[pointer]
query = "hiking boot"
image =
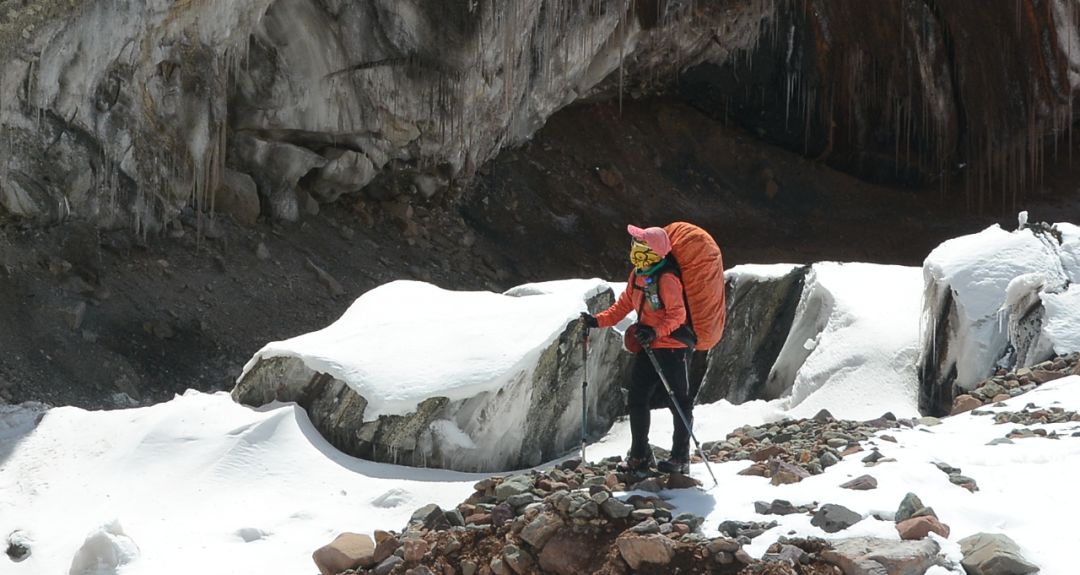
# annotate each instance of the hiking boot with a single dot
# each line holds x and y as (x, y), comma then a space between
(637, 464)
(674, 465)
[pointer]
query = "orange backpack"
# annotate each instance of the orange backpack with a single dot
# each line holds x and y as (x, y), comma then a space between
(701, 268)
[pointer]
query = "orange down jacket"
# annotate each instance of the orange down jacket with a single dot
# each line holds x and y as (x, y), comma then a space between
(664, 320)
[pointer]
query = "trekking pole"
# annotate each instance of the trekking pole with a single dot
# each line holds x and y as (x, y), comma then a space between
(678, 409)
(584, 388)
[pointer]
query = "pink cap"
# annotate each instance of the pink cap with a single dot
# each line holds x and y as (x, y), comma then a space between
(656, 238)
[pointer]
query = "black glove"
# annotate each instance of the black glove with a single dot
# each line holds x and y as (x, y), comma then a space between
(644, 334)
(589, 319)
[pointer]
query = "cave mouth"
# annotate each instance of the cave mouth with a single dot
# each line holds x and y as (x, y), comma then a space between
(557, 206)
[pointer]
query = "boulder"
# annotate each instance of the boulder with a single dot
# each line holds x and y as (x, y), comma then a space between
(540, 530)
(872, 556)
(861, 483)
(346, 551)
(832, 518)
(738, 367)
(964, 403)
(567, 553)
(238, 196)
(993, 554)
(639, 550)
(919, 527)
(532, 411)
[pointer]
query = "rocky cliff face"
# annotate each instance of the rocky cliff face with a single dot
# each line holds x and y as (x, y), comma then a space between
(916, 91)
(125, 112)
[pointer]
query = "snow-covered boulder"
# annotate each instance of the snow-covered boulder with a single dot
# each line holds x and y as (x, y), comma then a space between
(474, 381)
(996, 299)
(841, 336)
(761, 307)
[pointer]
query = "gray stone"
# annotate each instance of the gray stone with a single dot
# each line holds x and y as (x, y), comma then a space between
(832, 518)
(993, 554)
(388, 565)
(871, 556)
(861, 483)
(616, 509)
(691, 520)
(646, 527)
(541, 529)
(788, 554)
(431, 516)
(521, 499)
(517, 559)
(908, 507)
(828, 459)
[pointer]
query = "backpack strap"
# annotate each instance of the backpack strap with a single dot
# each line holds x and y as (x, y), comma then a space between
(685, 332)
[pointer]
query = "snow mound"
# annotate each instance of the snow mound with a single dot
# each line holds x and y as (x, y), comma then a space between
(104, 551)
(406, 341)
(997, 299)
(422, 376)
(853, 345)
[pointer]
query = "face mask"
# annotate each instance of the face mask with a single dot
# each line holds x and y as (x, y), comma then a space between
(642, 257)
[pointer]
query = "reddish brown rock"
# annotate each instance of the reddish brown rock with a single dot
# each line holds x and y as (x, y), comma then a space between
(851, 450)
(767, 453)
(386, 548)
(346, 551)
(567, 554)
(757, 469)
(964, 403)
(1041, 376)
(861, 483)
(784, 473)
(1001, 397)
(918, 528)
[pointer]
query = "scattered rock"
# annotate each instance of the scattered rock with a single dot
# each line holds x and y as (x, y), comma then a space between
(964, 403)
(786, 473)
(861, 483)
(872, 556)
(386, 566)
(567, 554)
(909, 506)
(540, 530)
(415, 549)
(919, 527)
(346, 551)
(332, 285)
(993, 554)
(832, 518)
(777, 507)
(638, 550)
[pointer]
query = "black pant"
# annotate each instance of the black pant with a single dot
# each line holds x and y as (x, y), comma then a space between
(644, 382)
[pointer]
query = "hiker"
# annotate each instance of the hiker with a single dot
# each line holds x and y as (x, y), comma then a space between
(657, 296)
